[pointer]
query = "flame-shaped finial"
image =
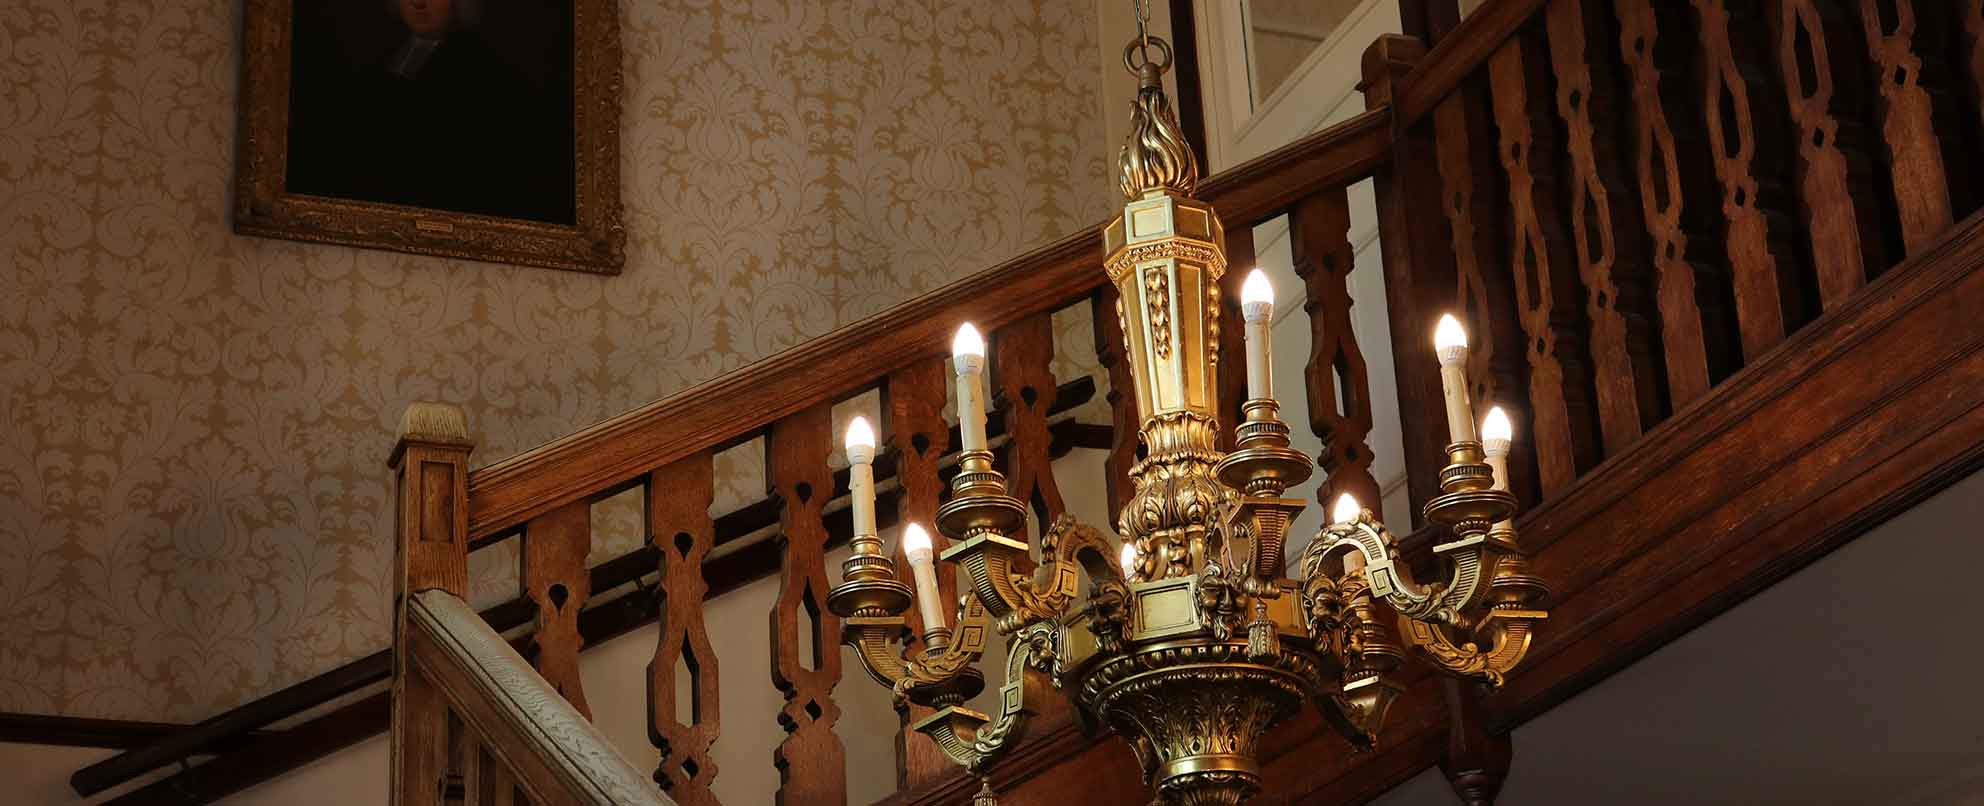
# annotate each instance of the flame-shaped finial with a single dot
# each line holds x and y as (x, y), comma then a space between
(1156, 157)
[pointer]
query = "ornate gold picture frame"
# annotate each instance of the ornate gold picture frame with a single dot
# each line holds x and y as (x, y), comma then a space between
(361, 119)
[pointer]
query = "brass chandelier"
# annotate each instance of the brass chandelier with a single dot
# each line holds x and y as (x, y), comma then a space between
(1191, 642)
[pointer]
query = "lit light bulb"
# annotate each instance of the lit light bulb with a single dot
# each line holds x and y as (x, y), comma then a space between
(1129, 560)
(916, 544)
(968, 344)
(1449, 333)
(1496, 426)
(860, 441)
(1257, 296)
(1346, 510)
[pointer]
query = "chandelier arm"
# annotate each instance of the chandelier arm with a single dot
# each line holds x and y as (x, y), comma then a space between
(975, 741)
(1508, 633)
(931, 678)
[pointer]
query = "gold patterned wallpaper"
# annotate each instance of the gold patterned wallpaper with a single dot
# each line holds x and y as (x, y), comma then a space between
(193, 425)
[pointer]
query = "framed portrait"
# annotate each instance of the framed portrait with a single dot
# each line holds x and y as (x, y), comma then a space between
(482, 129)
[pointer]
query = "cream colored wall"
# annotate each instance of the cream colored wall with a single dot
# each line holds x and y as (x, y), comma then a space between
(192, 424)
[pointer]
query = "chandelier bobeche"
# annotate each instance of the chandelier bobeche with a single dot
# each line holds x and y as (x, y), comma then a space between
(1191, 641)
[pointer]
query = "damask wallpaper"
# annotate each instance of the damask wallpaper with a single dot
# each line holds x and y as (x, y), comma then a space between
(193, 425)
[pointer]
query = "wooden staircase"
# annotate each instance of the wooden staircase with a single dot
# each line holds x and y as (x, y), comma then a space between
(1720, 256)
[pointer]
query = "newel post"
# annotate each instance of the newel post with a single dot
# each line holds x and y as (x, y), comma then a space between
(430, 551)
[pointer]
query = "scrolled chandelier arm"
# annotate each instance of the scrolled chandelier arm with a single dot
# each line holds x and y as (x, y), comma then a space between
(1190, 641)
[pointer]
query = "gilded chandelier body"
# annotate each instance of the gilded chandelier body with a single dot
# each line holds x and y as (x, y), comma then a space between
(1196, 643)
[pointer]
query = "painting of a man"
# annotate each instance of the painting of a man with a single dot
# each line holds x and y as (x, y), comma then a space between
(462, 106)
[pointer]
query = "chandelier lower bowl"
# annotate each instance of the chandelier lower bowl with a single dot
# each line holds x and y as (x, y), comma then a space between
(1194, 710)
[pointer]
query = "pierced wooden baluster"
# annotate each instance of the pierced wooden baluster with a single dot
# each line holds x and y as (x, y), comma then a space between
(920, 437)
(811, 761)
(1487, 307)
(1834, 190)
(1111, 351)
(1231, 371)
(1545, 271)
(1339, 390)
(681, 533)
(1024, 357)
(1915, 154)
(430, 541)
(1611, 241)
(1419, 269)
(555, 546)
(1666, 196)
(1759, 238)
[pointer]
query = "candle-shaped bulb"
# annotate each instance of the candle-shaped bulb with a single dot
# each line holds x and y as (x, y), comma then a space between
(916, 544)
(929, 601)
(1129, 559)
(1450, 340)
(1496, 431)
(1257, 296)
(968, 353)
(968, 348)
(1346, 510)
(860, 441)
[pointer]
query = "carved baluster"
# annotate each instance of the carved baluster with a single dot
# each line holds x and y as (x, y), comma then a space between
(1545, 270)
(681, 533)
(1921, 191)
(1470, 174)
(430, 540)
(1339, 389)
(1110, 351)
(1835, 193)
(1024, 357)
(1419, 269)
(1611, 243)
(1231, 369)
(1759, 238)
(920, 437)
(811, 762)
(1671, 196)
(555, 546)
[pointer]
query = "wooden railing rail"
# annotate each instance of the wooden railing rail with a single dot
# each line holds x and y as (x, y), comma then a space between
(276, 751)
(515, 738)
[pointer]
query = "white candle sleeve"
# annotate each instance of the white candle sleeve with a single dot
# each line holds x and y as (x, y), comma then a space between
(929, 597)
(861, 488)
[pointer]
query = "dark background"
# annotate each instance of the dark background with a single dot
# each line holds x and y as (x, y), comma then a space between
(486, 126)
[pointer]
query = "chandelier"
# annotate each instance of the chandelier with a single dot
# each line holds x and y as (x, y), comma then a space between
(1192, 640)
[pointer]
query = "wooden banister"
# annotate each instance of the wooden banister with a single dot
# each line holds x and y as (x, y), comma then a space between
(736, 406)
(549, 750)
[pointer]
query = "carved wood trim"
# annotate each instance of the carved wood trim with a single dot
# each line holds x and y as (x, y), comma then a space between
(1681, 278)
(1545, 272)
(1473, 198)
(1758, 237)
(920, 437)
(1908, 125)
(1833, 190)
(1419, 266)
(1611, 249)
(1338, 387)
(1023, 355)
(505, 494)
(805, 663)
(681, 533)
(557, 755)
(554, 577)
